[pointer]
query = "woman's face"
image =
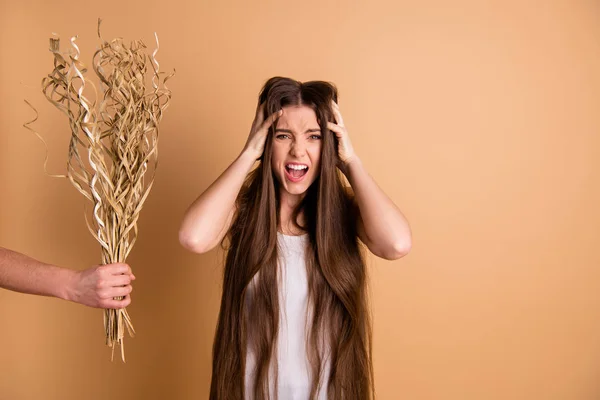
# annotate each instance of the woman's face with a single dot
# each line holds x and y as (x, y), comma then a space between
(297, 146)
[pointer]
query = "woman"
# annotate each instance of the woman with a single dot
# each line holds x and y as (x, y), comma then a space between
(294, 319)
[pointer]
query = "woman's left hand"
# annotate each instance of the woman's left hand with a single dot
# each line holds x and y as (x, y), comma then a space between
(345, 149)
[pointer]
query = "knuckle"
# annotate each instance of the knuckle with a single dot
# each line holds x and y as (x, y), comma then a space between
(110, 268)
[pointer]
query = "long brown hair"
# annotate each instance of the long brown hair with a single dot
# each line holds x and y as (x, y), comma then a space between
(339, 318)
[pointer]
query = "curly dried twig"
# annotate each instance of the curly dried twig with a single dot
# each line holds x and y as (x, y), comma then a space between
(119, 133)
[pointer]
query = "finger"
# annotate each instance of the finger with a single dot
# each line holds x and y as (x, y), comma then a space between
(117, 268)
(260, 112)
(272, 118)
(116, 304)
(339, 130)
(132, 277)
(337, 114)
(118, 291)
(119, 280)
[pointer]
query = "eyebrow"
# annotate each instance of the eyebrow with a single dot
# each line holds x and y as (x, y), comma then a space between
(289, 131)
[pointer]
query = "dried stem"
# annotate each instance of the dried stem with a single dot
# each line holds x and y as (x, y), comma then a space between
(113, 143)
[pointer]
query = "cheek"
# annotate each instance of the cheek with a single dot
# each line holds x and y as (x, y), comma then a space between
(314, 152)
(277, 155)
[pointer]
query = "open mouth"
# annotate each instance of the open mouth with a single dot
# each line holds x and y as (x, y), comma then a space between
(295, 172)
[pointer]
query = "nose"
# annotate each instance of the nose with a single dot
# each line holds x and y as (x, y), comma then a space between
(298, 149)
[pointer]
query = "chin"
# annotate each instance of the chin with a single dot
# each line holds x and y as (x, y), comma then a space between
(296, 190)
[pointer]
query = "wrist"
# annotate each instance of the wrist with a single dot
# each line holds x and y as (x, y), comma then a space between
(67, 288)
(351, 164)
(248, 156)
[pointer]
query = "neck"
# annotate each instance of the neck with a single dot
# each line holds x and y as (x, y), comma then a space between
(287, 204)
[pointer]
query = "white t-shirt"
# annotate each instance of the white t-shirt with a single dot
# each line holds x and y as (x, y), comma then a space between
(293, 374)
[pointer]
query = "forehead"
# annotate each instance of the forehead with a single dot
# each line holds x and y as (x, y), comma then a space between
(298, 116)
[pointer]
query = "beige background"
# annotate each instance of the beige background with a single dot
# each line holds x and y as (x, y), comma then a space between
(480, 119)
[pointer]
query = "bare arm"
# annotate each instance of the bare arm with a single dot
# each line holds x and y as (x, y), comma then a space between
(93, 287)
(209, 217)
(381, 225)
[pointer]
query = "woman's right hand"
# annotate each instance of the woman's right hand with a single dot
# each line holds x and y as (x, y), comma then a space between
(209, 218)
(255, 144)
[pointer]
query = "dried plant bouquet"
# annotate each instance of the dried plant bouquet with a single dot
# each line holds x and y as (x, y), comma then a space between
(113, 145)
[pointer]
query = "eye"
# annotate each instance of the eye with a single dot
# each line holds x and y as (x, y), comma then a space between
(315, 137)
(282, 136)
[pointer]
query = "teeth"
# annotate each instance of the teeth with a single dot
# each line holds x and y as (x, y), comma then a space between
(296, 167)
